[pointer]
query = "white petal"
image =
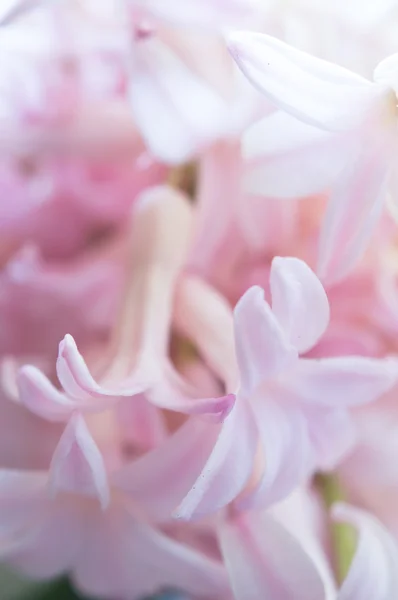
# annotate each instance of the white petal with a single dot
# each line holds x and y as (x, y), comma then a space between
(286, 158)
(311, 89)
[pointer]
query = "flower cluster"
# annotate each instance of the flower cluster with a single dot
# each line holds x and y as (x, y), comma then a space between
(199, 296)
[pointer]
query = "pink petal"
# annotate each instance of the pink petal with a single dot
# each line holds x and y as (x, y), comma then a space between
(262, 348)
(125, 557)
(285, 447)
(299, 302)
(332, 436)
(313, 90)
(77, 380)
(374, 571)
(32, 525)
(354, 210)
(227, 469)
(286, 158)
(264, 561)
(77, 465)
(205, 317)
(162, 478)
(39, 395)
(341, 382)
(50, 548)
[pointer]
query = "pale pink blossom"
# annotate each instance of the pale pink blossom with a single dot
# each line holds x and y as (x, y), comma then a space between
(264, 559)
(343, 122)
(282, 400)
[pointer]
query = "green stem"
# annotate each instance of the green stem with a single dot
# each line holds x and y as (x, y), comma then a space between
(343, 536)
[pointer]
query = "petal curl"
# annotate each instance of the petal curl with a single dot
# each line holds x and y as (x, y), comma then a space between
(299, 302)
(264, 561)
(374, 571)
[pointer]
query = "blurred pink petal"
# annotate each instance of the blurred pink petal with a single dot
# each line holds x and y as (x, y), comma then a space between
(264, 561)
(77, 465)
(343, 381)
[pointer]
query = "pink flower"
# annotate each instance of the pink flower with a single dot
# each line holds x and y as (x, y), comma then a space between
(336, 120)
(264, 560)
(292, 411)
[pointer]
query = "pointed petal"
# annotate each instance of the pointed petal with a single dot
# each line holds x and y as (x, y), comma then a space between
(39, 395)
(163, 477)
(264, 561)
(353, 212)
(285, 447)
(299, 302)
(190, 111)
(374, 571)
(228, 467)
(126, 558)
(77, 465)
(262, 348)
(77, 380)
(313, 90)
(343, 381)
(286, 158)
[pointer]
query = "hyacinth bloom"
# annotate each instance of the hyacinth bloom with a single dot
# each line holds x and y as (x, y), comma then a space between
(276, 391)
(336, 120)
(221, 346)
(264, 560)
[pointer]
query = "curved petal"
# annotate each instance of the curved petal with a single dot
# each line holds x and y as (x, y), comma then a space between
(299, 302)
(262, 348)
(374, 571)
(127, 558)
(77, 465)
(311, 89)
(264, 561)
(353, 212)
(77, 381)
(286, 454)
(343, 381)
(286, 158)
(386, 72)
(160, 479)
(228, 467)
(13, 9)
(39, 395)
